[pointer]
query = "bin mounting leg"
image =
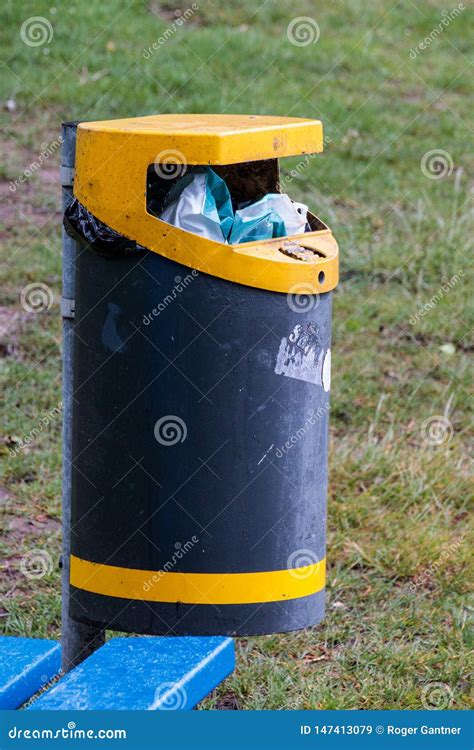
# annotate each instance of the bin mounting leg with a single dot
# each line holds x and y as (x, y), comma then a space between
(78, 640)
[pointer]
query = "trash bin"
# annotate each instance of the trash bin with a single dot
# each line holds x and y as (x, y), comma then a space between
(201, 390)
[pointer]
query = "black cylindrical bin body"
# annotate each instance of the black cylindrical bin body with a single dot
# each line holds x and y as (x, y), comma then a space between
(199, 447)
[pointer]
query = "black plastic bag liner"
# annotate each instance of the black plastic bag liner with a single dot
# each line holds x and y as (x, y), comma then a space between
(90, 232)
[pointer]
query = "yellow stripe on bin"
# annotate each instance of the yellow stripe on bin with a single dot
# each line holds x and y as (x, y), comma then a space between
(197, 588)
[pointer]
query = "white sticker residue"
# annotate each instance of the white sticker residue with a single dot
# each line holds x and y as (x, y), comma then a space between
(327, 371)
(301, 356)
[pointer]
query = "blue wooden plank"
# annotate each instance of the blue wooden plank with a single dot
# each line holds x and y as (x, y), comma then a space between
(143, 673)
(26, 664)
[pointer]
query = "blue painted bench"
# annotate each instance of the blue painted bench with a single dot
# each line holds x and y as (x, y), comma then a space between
(136, 673)
(26, 665)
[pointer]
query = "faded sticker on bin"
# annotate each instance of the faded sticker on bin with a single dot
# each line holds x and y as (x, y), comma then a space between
(302, 356)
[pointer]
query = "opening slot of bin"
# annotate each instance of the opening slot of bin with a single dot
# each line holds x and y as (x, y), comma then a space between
(248, 182)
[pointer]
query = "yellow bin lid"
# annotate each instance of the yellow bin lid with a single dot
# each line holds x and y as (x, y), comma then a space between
(215, 139)
(112, 160)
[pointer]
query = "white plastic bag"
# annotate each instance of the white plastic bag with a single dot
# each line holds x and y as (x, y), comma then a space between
(203, 207)
(200, 203)
(274, 215)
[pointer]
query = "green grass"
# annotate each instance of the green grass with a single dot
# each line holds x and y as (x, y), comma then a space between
(397, 620)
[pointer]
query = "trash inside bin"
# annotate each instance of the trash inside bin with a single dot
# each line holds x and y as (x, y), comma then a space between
(200, 202)
(275, 215)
